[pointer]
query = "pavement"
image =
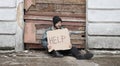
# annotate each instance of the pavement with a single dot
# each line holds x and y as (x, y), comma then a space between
(41, 58)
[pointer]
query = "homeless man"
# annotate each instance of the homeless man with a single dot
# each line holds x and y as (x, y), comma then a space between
(57, 24)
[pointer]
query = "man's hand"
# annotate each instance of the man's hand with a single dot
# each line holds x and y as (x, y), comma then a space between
(70, 46)
(49, 47)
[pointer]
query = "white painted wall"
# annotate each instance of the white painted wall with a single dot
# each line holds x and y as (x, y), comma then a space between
(8, 14)
(103, 4)
(11, 31)
(8, 28)
(103, 23)
(8, 3)
(106, 29)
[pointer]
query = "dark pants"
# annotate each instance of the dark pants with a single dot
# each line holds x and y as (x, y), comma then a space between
(73, 51)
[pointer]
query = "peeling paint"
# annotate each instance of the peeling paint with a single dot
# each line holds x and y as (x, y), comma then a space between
(20, 14)
(20, 26)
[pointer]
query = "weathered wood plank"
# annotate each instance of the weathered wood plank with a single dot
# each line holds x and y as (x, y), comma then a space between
(42, 30)
(8, 28)
(62, 1)
(70, 8)
(7, 3)
(44, 22)
(39, 22)
(38, 41)
(73, 41)
(103, 42)
(76, 32)
(104, 4)
(30, 33)
(76, 41)
(104, 29)
(104, 15)
(33, 46)
(72, 19)
(71, 28)
(49, 1)
(75, 28)
(28, 3)
(79, 46)
(7, 41)
(42, 27)
(39, 36)
(8, 14)
(61, 14)
(74, 1)
(39, 46)
(77, 36)
(43, 7)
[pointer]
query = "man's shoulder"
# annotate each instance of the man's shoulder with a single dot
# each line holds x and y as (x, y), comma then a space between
(51, 28)
(48, 29)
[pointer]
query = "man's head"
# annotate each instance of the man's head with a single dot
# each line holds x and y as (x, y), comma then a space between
(57, 22)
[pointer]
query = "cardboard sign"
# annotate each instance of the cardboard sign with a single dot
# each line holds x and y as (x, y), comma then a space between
(58, 39)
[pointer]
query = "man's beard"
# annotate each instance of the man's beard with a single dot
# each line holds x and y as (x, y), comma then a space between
(57, 27)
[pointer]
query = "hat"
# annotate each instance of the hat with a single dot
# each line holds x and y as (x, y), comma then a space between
(56, 19)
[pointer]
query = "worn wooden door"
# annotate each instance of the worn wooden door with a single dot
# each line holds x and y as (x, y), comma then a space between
(38, 17)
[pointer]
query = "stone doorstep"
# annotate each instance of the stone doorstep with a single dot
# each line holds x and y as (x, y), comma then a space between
(6, 51)
(106, 52)
(97, 53)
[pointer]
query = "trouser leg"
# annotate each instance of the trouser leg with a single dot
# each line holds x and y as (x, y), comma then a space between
(65, 52)
(74, 51)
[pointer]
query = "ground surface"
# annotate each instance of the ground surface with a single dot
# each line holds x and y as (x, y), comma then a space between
(41, 58)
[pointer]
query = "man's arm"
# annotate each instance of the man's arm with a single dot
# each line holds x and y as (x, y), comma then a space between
(44, 39)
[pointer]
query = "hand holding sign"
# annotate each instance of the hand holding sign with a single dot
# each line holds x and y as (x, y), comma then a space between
(58, 40)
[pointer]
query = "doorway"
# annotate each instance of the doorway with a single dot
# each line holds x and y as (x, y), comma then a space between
(38, 17)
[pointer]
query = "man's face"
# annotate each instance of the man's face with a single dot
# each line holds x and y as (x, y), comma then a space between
(58, 25)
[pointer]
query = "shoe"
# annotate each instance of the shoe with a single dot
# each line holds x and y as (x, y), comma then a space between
(80, 57)
(88, 55)
(56, 54)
